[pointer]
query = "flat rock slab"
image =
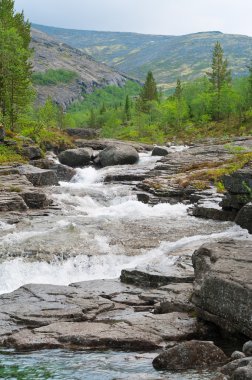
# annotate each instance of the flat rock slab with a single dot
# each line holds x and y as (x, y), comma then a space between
(95, 314)
(223, 284)
(37, 176)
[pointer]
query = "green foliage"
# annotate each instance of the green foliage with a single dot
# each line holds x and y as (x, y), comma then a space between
(8, 154)
(15, 68)
(53, 77)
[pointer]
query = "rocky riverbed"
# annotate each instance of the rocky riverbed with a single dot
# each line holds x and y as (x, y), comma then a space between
(113, 257)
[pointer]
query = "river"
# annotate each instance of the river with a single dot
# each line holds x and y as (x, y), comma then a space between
(95, 230)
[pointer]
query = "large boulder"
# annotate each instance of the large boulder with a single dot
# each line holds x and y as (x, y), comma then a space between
(189, 355)
(244, 217)
(118, 155)
(76, 157)
(223, 284)
(160, 151)
(32, 152)
(82, 133)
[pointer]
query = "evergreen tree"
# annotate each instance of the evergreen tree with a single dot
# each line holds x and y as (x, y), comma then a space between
(15, 68)
(149, 92)
(92, 119)
(219, 76)
(127, 108)
(178, 90)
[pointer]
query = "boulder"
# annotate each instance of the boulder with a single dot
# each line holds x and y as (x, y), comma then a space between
(37, 176)
(76, 157)
(190, 355)
(247, 348)
(118, 155)
(224, 268)
(63, 172)
(240, 182)
(230, 369)
(31, 152)
(244, 373)
(160, 151)
(11, 202)
(244, 217)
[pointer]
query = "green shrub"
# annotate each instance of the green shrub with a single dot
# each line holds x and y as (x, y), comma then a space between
(52, 77)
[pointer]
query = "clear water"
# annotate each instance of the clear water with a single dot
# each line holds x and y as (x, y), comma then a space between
(83, 365)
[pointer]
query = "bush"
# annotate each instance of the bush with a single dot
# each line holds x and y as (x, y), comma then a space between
(52, 77)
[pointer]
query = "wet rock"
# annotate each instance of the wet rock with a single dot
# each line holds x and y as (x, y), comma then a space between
(153, 279)
(190, 355)
(230, 368)
(63, 172)
(224, 267)
(76, 157)
(244, 217)
(104, 143)
(118, 155)
(247, 348)
(176, 297)
(160, 151)
(11, 202)
(244, 373)
(37, 176)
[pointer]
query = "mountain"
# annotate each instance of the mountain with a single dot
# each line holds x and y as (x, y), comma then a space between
(169, 57)
(71, 71)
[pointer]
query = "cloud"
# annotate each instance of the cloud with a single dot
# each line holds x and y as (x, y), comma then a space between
(143, 16)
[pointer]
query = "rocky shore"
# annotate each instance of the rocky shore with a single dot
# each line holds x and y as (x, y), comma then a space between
(144, 310)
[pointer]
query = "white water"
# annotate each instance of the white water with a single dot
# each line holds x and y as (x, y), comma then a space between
(97, 226)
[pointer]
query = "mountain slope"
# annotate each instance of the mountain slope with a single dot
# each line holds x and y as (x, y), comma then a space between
(87, 74)
(169, 57)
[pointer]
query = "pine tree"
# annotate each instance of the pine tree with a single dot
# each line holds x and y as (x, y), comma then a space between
(178, 90)
(219, 76)
(15, 67)
(149, 92)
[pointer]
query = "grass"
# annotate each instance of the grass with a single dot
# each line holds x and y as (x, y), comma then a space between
(52, 77)
(8, 155)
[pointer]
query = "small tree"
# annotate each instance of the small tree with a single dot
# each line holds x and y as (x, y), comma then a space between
(250, 85)
(219, 76)
(149, 93)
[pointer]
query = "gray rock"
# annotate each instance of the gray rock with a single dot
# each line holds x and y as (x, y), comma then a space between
(231, 367)
(11, 202)
(244, 373)
(118, 155)
(160, 151)
(76, 157)
(63, 172)
(37, 176)
(2, 133)
(224, 267)
(237, 355)
(154, 279)
(239, 182)
(244, 217)
(189, 355)
(247, 348)
(31, 152)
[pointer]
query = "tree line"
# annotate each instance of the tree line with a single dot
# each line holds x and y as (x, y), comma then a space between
(213, 101)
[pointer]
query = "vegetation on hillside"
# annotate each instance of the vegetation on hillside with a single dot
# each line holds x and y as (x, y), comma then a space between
(212, 106)
(53, 77)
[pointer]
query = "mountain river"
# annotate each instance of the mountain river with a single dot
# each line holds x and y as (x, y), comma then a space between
(95, 230)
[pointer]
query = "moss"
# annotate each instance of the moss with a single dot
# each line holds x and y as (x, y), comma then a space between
(9, 155)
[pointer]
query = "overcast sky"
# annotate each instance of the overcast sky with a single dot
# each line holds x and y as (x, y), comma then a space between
(143, 16)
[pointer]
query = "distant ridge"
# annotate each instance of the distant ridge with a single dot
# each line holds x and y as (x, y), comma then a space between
(169, 57)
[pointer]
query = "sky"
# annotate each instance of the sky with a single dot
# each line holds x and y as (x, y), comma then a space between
(169, 17)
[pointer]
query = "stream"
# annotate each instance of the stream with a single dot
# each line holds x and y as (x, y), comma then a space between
(96, 230)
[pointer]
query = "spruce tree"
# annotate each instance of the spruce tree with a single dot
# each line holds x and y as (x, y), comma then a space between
(178, 90)
(149, 92)
(15, 67)
(219, 76)
(250, 84)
